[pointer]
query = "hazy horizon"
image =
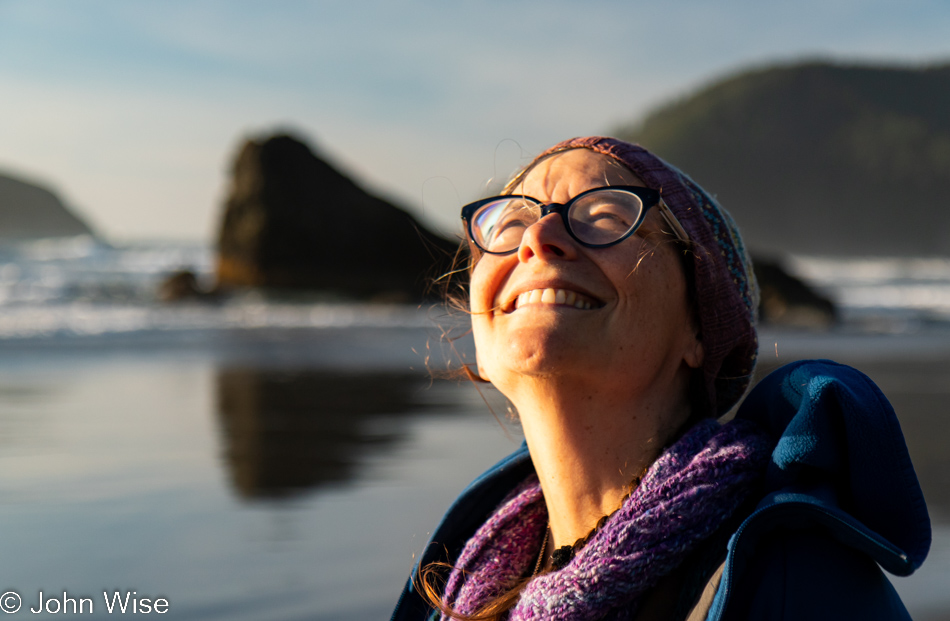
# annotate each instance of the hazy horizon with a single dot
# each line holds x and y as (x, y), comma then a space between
(132, 112)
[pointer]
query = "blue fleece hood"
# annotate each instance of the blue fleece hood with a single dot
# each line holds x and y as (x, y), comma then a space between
(839, 445)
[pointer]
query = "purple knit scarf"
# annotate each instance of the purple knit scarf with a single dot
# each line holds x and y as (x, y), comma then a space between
(688, 492)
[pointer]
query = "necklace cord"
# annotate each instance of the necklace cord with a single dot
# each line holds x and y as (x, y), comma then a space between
(544, 546)
(563, 555)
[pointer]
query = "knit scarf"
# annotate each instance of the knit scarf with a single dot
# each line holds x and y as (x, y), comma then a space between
(688, 492)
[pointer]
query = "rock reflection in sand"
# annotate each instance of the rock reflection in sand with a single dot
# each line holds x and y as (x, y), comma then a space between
(288, 432)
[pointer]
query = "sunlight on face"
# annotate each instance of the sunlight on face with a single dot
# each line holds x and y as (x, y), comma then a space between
(554, 307)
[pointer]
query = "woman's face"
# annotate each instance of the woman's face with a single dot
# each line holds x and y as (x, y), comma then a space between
(634, 325)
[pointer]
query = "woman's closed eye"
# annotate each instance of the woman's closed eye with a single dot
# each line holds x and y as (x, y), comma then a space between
(604, 217)
(511, 225)
(611, 217)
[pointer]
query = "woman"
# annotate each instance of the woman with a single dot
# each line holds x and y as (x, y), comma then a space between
(614, 305)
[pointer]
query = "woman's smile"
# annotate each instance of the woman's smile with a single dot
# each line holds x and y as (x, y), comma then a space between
(557, 297)
(553, 296)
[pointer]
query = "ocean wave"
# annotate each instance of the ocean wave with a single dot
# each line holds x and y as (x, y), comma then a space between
(81, 286)
(81, 319)
(872, 271)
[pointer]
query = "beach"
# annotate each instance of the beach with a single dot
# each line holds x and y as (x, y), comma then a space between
(287, 457)
(239, 475)
(266, 474)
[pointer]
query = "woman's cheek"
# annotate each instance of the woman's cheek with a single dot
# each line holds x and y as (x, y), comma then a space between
(483, 284)
(476, 290)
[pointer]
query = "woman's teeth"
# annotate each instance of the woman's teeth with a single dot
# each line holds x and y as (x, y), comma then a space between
(563, 297)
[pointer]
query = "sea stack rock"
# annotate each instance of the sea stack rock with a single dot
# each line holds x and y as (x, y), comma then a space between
(788, 301)
(29, 211)
(293, 221)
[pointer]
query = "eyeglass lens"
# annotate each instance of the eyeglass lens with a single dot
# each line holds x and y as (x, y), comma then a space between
(594, 218)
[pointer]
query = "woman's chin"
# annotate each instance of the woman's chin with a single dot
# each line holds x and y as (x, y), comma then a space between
(536, 351)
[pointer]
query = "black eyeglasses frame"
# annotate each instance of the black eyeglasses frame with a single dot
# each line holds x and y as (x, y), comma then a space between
(648, 196)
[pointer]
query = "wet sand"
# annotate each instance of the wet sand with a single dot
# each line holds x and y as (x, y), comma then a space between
(294, 474)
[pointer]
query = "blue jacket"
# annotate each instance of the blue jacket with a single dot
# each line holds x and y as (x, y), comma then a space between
(841, 500)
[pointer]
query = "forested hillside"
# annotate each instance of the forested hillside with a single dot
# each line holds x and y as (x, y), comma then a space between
(819, 158)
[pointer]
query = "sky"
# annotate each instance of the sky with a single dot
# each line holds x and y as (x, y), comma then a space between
(132, 110)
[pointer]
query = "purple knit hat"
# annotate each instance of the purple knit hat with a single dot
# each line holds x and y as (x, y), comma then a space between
(726, 293)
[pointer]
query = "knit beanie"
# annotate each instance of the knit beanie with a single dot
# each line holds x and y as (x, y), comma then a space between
(726, 293)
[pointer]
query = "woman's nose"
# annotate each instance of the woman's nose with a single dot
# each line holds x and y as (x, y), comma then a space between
(547, 238)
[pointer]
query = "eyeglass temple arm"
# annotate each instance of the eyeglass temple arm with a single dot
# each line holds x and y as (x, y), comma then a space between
(671, 220)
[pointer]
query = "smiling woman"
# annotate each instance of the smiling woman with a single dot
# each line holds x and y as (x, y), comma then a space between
(634, 314)
(613, 304)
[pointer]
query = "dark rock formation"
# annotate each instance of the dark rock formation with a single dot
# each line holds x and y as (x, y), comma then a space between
(292, 220)
(183, 285)
(28, 211)
(788, 301)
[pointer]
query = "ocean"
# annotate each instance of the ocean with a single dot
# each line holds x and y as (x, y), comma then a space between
(285, 457)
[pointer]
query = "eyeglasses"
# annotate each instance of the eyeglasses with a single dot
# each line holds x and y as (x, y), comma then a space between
(597, 218)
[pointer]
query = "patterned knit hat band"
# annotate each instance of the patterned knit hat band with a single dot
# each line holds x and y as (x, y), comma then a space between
(726, 292)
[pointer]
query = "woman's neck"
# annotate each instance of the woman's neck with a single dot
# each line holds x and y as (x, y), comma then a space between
(588, 448)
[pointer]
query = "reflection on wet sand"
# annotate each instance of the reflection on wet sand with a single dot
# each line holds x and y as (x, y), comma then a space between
(286, 433)
(919, 392)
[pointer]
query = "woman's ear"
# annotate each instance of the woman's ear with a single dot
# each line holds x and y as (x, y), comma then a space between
(695, 354)
(481, 373)
(475, 375)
